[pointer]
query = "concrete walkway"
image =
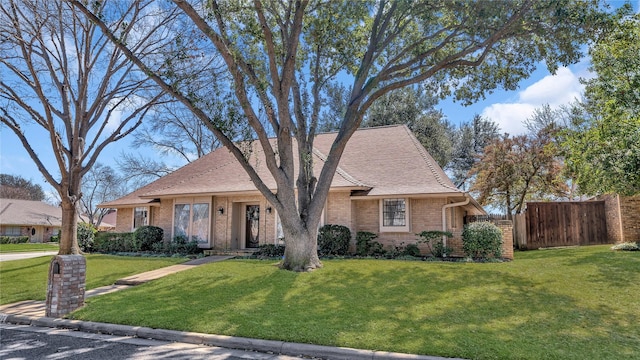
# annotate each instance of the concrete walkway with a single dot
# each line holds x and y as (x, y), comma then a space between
(32, 313)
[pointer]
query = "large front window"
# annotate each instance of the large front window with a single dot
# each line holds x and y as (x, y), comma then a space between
(394, 215)
(191, 220)
(140, 217)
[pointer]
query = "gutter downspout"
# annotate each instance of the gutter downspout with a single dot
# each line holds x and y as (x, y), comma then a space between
(444, 215)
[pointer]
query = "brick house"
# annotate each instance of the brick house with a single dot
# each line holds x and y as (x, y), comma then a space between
(386, 183)
(35, 219)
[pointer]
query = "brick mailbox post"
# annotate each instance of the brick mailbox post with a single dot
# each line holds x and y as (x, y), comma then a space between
(65, 289)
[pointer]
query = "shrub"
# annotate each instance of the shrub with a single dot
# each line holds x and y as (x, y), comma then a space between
(433, 240)
(412, 250)
(399, 251)
(267, 251)
(180, 245)
(14, 239)
(333, 240)
(106, 242)
(86, 236)
(627, 246)
(367, 246)
(482, 240)
(146, 236)
(55, 238)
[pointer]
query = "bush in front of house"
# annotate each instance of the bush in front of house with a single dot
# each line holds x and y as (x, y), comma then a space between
(146, 236)
(86, 236)
(180, 245)
(269, 251)
(482, 240)
(433, 240)
(333, 240)
(108, 242)
(14, 239)
(402, 251)
(367, 246)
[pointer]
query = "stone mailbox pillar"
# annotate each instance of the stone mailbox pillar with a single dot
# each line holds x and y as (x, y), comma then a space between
(65, 289)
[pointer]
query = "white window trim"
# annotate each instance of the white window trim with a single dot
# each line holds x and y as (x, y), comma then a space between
(407, 214)
(133, 217)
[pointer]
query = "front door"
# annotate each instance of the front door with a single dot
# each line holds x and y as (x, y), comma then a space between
(252, 226)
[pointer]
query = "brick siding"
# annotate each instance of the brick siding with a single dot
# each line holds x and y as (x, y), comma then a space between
(622, 217)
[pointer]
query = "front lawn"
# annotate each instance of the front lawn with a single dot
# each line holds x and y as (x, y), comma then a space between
(579, 303)
(27, 279)
(27, 247)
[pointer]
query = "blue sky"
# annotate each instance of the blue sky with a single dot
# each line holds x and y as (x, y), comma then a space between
(507, 108)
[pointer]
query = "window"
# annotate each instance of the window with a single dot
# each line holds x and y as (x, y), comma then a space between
(394, 215)
(191, 220)
(140, 217)
(12, 231)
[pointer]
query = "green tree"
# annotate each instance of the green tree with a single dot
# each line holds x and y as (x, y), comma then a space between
(414, 108)
(17, 187)
(280, 57)
(468, 147)
(603, 148)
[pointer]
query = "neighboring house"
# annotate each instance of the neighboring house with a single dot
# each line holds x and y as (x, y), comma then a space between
(107, 223)
(35, 219)
(386, 183)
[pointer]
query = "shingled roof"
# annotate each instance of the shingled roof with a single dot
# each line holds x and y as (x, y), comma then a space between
(380, 161)
(28, 212)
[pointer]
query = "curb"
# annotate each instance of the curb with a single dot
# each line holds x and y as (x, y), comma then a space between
(230, 342)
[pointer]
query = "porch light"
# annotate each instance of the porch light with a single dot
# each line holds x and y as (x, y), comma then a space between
(220, 210)
(268, 209)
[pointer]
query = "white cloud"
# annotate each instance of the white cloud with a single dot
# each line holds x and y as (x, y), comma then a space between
(555, 90)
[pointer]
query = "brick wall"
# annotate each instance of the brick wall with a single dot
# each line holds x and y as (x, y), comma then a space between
(162, 217)
(623, 217)
(338, 209)
(425, 214)
(507, 237)
(124, 220)
(612, 214)
(630, 216)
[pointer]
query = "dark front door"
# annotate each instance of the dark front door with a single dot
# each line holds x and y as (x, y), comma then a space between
(252, 229)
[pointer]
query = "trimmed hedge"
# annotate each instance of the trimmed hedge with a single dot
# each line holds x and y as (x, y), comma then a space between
(147, 236)
(14, 239)
(106, 242)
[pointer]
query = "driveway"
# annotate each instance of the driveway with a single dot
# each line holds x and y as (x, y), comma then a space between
(25, 255)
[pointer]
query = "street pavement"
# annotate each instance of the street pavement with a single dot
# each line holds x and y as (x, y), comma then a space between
(32, 342)
(25, 255)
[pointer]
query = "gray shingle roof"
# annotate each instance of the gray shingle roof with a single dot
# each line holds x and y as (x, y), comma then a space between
(27, 212)
(384, 161)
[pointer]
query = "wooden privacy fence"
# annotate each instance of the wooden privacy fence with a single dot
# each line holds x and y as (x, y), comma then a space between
(551, 224)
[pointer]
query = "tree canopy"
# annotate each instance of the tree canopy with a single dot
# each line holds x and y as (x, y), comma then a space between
(603, 147)
(17, 187)
(280, 58)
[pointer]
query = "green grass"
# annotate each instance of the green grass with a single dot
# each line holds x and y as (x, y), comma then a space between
(577, 303)
(27, 279)
(12, 248)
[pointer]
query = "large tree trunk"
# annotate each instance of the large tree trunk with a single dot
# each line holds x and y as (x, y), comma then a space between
(69, 230)
(301, 250)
